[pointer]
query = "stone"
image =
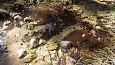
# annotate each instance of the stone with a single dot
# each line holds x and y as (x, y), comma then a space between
(93, 32)
(25, 26)
(6, 23)
(70, 61)
(98, 27)
(5, 28)
(3, 33)
(28, 58)
(83, 35)
(17, 17)
(33, 43)
(60, 53)
(65, 44)
(17, 35)
(28, 19)
(54, 54)
(22, 53)
(22, 23)
(42, 42)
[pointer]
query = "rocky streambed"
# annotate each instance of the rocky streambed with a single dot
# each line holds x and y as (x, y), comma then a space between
(57, 33)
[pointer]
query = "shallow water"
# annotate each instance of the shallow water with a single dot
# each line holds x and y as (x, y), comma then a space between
(2, 48)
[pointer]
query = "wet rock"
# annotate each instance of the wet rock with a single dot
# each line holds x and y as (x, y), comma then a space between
(42, 42)
(22, 53)
(65, 44)
(28, 58)
(17, 18)
(34, 43)
(28, 19)
(12, 14)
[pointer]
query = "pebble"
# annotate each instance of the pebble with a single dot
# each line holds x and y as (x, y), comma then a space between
(70, 61)
(28, 58)
(5, 28)
(98, 27)
(17, 17)
(83, 35)
(6, 23)
(28, 19)
(22, 53)
(33, 43)
(65, 44)
(42, 42)
(93, 32)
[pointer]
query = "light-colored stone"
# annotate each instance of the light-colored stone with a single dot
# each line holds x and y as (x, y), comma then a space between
(65, 44)
(60, 53)
(42, 42)
(22, 53)
(70, 61)
(33, 43)
(83, 35)
(5, 28)
(98, 27)
(6, 23)
(28, 19)
(28, 58)
(17, 35)
(17, 17)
